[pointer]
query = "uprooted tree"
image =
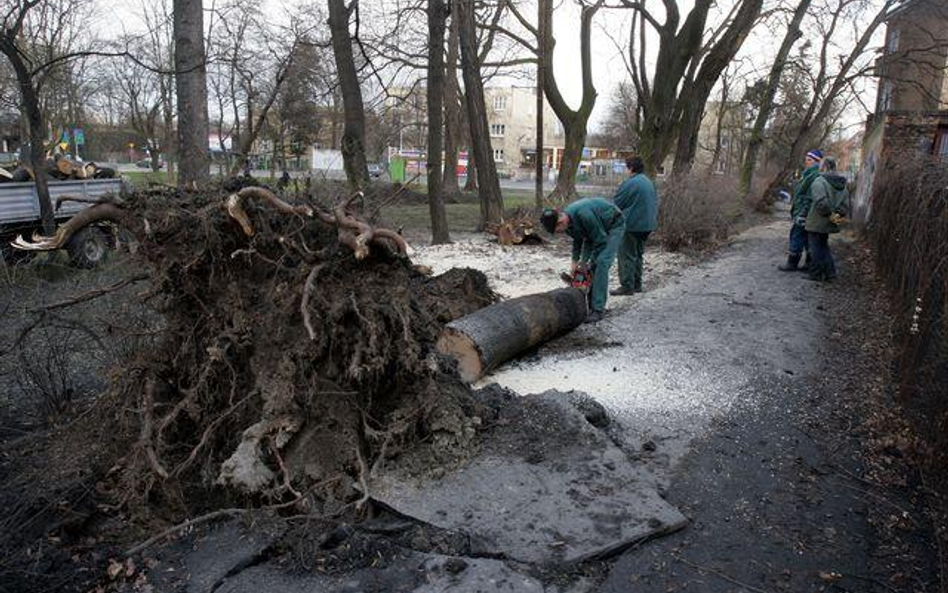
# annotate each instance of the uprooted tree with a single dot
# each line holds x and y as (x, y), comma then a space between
(297, 351)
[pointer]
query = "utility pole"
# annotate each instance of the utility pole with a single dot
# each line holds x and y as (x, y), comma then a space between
(541, 36)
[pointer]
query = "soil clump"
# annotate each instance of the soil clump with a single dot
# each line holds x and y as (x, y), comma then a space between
(287, 367)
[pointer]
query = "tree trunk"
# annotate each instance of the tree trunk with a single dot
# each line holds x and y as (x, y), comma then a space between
(719, 128)
(661, 104)
(493, 335)
(190, 65)
(470, 183)
(574, 121)
(767, 103)
(574, 141)
(492, 202)
(30, 102)
(538, 163)
(437, 13)
(452, 109)
(695, 96)
(353, 131)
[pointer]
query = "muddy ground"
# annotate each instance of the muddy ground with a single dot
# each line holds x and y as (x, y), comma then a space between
(757, 402)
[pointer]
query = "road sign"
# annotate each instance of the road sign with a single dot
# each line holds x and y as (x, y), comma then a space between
(79, 136)
(65, 139)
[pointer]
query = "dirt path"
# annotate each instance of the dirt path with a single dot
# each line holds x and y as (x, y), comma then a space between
(671, 361)
(753, 396)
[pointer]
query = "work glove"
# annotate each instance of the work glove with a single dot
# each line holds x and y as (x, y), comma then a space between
(838, 219)
(800, 220)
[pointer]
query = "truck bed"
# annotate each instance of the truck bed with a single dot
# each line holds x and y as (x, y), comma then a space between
(19, 204)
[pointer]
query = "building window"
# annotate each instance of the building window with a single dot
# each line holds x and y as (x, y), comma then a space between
(941, 142)
(498, 154)
(500, 103)
(892, 45)
(497, 129)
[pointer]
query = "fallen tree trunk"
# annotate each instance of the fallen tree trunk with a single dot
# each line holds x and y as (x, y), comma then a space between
(490, 336)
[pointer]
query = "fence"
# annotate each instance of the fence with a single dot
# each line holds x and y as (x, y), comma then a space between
(908, 233)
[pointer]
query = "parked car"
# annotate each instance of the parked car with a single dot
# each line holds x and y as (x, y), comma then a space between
(146, 164)
(376, 170)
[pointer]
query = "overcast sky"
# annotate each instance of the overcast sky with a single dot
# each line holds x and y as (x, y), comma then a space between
(608, 66)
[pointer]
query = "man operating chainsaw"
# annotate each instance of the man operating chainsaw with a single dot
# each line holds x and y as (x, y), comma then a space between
(596, 226)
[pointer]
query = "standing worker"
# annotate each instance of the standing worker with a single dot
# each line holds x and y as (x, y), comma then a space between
(799, 208)
(596, 225)
(830, 198)
(638, 200)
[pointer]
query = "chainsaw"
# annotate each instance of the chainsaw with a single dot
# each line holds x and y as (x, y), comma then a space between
(582, 278)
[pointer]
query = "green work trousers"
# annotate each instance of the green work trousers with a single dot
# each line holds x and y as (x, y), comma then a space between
(602, 263)
(631, 253)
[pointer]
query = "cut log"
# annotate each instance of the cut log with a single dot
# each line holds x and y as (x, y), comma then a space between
(493, 335)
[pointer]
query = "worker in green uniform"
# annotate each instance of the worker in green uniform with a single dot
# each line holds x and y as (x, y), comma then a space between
(638, 200)
(596, 226)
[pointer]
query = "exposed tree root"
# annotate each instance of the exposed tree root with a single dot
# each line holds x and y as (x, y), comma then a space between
(298, 347)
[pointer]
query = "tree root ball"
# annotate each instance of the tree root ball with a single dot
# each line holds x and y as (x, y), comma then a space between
(285, 362)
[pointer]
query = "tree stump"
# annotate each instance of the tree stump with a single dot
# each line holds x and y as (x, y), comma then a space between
(490, 336)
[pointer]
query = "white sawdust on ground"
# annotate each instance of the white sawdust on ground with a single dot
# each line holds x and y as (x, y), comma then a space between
(524, 269)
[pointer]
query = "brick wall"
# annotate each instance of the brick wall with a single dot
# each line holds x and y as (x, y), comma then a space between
(911, 133)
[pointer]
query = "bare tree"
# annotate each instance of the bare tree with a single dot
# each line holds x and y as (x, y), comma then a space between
(191, 83)
(694, 95)
(452, 108)
(144, 100)
(574, 120)
(437, 13)
(829, 84)
(353, 135)
(687, 66)
(620, 130)
(766, 106)
(492, 202)
(38, 37)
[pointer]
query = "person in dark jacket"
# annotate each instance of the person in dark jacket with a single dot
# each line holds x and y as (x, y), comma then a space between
(830, 197)
(638, 200)
(799, 207)
(596, 226)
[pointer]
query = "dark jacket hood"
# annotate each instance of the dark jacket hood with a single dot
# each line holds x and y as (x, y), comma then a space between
(837, 182)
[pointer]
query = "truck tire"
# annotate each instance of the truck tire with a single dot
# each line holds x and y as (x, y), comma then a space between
(88, 248)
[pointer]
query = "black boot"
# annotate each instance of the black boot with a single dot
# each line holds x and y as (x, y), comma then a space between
(793, 260)
(806, 264)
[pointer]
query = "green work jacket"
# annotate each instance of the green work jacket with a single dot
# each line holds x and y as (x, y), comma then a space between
(590, 220)
(801, 192)
(638, 200)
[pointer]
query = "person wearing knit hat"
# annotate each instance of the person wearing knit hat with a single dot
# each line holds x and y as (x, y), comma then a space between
(799, 208)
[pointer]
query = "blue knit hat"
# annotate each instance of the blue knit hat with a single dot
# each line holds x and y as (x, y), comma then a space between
(816, 154)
